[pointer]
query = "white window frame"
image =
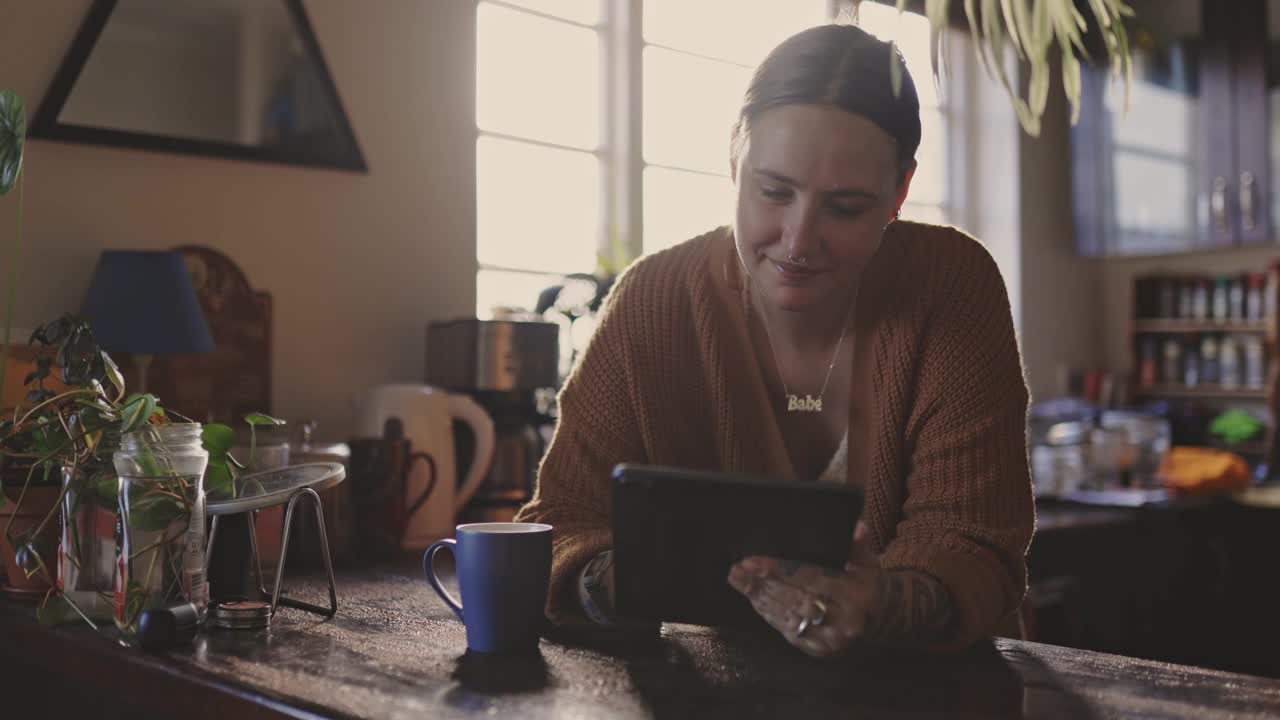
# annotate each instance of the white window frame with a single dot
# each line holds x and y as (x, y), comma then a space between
(620, 151)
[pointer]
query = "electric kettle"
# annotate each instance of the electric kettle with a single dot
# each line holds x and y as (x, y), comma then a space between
(425, 415)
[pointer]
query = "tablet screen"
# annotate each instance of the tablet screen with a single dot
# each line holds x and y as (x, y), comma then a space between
(677, 532)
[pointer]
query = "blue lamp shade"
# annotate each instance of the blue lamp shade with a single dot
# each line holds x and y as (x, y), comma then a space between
(141, 301)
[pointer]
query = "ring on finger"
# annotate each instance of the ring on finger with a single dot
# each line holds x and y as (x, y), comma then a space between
(820, 613)
(805, 624)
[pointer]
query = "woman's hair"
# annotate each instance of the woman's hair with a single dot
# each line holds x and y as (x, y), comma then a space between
(840, 66)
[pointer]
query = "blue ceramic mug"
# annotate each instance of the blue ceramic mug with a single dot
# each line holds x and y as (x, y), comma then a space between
(503, 572)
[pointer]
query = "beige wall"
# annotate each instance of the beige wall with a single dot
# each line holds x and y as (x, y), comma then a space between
(357, 264)
(1061, 294)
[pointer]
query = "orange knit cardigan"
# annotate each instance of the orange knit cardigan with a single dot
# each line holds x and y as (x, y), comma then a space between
(937, 412)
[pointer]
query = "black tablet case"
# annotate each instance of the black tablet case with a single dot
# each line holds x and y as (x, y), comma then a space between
(677, 532)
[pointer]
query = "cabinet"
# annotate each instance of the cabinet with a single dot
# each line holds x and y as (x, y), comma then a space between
(1190, 165)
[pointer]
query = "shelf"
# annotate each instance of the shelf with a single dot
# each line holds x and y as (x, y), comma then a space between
(1148, 325)
(1207, 391)
(1251, 447)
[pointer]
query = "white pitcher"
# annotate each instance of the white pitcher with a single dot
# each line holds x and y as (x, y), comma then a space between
(427, 414)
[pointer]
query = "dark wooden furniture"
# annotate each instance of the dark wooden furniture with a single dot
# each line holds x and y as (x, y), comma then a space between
(235, 379)
(394, 651)
(1190, 166)
(1191, 581)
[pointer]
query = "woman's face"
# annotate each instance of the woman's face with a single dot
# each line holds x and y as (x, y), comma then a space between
(816, 187)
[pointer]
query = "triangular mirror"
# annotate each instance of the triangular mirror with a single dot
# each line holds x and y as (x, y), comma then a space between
(232, 78)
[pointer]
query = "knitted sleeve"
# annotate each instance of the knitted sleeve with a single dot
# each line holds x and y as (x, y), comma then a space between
(596, 430)
(969, 514)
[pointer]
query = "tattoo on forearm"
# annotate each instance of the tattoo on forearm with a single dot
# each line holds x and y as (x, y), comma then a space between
(914, 609)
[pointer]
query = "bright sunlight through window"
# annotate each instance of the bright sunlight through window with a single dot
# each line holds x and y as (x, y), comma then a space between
(544, 102)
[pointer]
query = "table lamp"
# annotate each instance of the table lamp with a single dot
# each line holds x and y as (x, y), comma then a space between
(141, 302)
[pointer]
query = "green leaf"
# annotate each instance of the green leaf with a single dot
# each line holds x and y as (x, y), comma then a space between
(260, 419)
(217, 440)
(153, 512)
(219, 482)
(113, 374)
(137, 409)
(13, 132)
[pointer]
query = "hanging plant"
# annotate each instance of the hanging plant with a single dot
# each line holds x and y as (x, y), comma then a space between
(1034, 29)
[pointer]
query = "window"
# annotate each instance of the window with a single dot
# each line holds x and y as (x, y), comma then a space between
(695, 72)
(539, 159)
(558, 184)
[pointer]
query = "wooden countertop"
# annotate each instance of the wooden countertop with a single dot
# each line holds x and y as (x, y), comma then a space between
(395, 651)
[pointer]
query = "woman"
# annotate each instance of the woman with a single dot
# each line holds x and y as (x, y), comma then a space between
(818, 338)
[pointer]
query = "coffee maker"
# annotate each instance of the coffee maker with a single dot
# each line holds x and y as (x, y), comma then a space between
(511, 368)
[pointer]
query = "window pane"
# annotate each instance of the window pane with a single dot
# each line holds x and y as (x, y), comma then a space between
(516, 290)
(911, 32)
(537, 208)
(537, 78)
(930, 182)
(681, 205)
(583, 11)
(728, 29)
(1151, 194)
(690, 105)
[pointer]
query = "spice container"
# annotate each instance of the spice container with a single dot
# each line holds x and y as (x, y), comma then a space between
(1148, 364)
(1229, 375)
(1172, 370)
(1235, 297)
(1254, 310)
(1186, 298)
(1254, 373)
(1167, 297)
(1191, 361)
(160, 550)
(1209, 359)
(1220, 302)
(1200, 299)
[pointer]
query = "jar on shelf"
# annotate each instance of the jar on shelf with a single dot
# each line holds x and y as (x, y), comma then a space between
(1254, 362)
(1186, 298)
(1166, 297)
(1235, 297)
(160, 543)
(1254, 310)
(1172, 366)
(1209, 359)
(1191, 361)
(1200, 299)
(1229, 366)
(1148, 363)
(1221, 305)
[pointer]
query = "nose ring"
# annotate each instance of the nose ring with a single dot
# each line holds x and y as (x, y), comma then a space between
(801, 260)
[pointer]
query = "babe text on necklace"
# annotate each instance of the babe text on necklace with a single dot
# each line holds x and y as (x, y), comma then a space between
(808, 403)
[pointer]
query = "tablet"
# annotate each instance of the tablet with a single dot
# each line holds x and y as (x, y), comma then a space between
(677, 532)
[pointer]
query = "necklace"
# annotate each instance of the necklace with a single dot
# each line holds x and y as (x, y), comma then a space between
(808, 403)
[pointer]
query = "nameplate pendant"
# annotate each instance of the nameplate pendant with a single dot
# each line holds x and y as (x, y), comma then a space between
(808, 403)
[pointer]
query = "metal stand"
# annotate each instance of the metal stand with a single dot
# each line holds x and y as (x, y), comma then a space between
(277, 594)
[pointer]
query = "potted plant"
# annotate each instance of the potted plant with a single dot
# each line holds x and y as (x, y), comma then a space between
(1032, 30)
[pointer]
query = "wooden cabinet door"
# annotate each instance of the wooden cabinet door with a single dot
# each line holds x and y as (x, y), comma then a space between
(1256, 60)
(1144, 180)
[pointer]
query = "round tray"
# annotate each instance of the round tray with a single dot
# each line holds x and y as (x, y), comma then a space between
(274, 487)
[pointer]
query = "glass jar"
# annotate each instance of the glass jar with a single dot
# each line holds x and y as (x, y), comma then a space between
(87, 551)
(160, 544)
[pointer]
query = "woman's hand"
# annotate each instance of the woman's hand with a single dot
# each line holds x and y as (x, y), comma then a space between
(824, 612)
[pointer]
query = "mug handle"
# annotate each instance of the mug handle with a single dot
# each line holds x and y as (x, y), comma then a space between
(429, 570)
